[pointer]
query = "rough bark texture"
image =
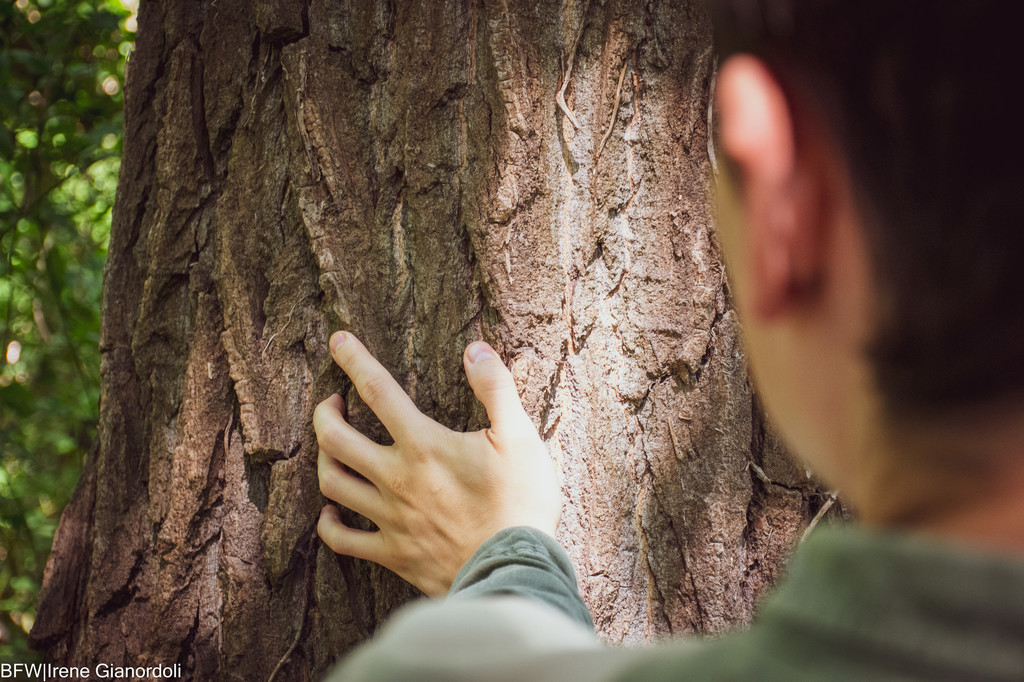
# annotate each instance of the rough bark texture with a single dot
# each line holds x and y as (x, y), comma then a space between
(403, 170)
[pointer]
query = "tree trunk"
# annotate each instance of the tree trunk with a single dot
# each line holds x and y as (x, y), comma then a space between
(409, 171)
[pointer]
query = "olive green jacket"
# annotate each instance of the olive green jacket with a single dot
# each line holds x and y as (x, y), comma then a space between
(856, 605)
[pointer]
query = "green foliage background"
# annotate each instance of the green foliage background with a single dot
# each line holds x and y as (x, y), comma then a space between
(61, 79)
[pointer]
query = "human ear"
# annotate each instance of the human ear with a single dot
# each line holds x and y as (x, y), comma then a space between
(757, 133)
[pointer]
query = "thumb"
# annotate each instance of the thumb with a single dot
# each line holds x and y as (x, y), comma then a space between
(493, 386)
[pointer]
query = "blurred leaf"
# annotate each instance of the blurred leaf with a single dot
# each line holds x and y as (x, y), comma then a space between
(27, 138)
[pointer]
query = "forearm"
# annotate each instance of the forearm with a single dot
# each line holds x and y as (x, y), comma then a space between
(525, 562)
(512, 607)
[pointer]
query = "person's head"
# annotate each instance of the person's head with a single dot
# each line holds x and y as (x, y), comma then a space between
(868, 213)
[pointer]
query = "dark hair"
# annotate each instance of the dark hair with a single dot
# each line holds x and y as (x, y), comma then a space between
(922, 96)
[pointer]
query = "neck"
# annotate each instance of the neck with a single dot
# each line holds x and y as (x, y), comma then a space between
(961, 479)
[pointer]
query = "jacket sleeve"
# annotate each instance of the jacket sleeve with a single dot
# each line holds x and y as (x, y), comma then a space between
(513, 612)
(525, 562)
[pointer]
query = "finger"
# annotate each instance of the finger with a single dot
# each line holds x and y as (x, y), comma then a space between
(347, 489)
(343, 442)
(378, 388)
(494, 386)
(362, 544)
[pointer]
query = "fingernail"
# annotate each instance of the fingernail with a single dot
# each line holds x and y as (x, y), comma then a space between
(479, 351)
(337, 340)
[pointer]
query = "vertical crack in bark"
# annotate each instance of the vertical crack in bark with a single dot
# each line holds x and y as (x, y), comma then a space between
(703, 70)
(202, 134)
(463, 124)
(629, 134)
(698, 603)
(186, 650)
(648, 488)
(301, 120)
(655, 598)
(696, 373)
(615, 112)
(308, 555)
(570, 61)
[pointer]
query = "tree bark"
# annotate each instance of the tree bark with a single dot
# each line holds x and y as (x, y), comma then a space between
(406, 171)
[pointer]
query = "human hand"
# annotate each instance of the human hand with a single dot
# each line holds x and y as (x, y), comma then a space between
(435, 494)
